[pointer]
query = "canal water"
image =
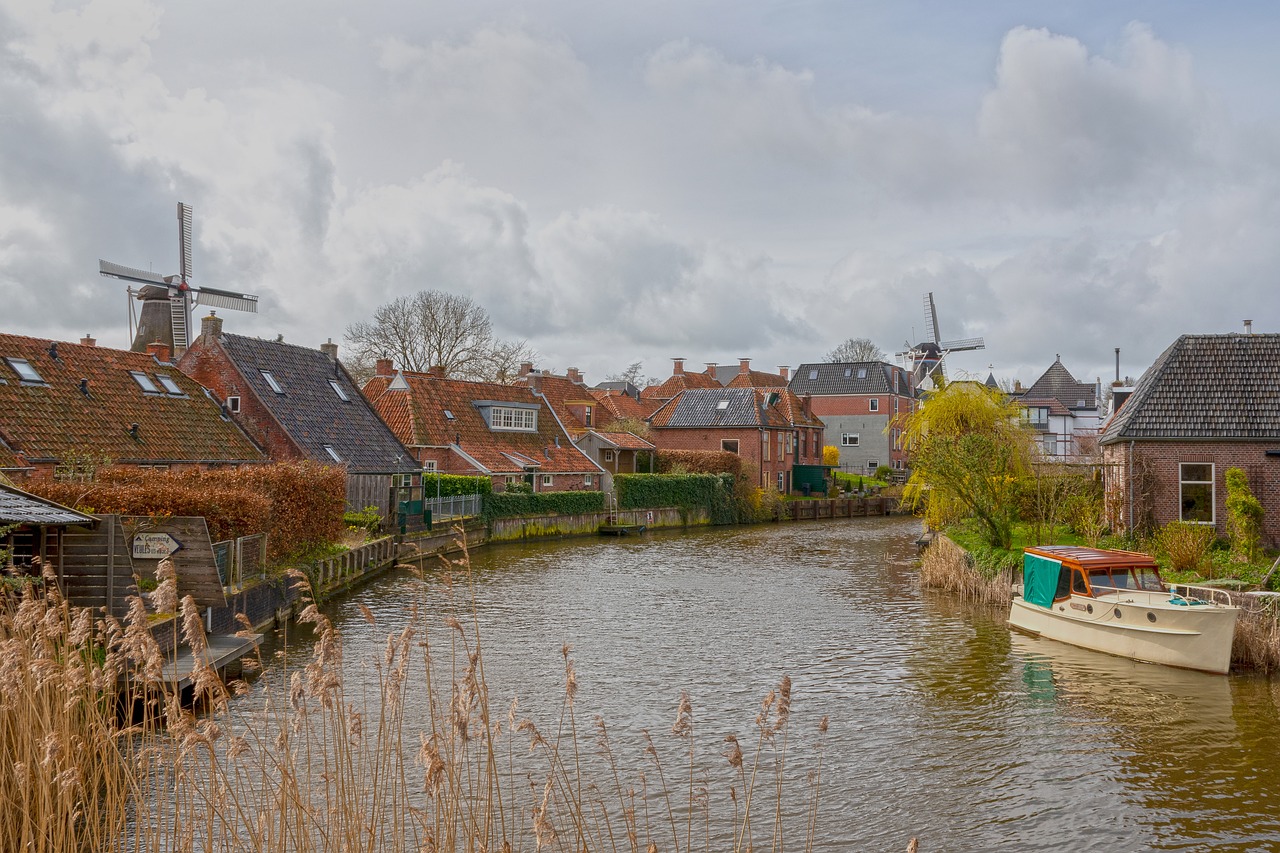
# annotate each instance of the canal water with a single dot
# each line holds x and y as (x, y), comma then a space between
(942, 725)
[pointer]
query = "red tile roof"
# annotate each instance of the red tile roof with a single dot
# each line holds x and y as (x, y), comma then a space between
(677, 383)
(419, 415)
(53, 419)
(756, 379)
(622, 405)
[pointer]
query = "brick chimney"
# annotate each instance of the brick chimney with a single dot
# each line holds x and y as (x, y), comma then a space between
(436, 370)
(87, 341)
(744, 365)
(382, 367)
(806, 405)
(677, 367)
(159, 351)
(211, 326)
(784, 370)
(330, 349)
(711, 368)
(574, 375)
(526, 367)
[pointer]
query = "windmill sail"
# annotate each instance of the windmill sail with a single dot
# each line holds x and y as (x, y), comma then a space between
(130, 273)
(226, 299)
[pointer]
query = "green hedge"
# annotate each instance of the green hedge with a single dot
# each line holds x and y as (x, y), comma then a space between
(454, 485)
(503, 505)
(712, 492)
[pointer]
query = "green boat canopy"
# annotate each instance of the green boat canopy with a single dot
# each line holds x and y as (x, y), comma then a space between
(1040, 579)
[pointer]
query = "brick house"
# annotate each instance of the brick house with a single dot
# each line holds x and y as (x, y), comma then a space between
(1064, 412)
(301, 403)
(65, 408)
(772, 429)
(1208, 403)
(508, 433)
(858, 401)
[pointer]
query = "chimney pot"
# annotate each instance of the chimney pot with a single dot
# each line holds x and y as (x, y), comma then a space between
(575, 375)
(526, 367)
(382, 367)
(159, 351)
(1248, 327)
(87, 341)
(211, 326)
(330, 349)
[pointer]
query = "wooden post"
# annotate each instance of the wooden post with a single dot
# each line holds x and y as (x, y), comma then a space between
(111, 564)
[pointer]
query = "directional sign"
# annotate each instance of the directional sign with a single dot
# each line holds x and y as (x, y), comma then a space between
(154, 546)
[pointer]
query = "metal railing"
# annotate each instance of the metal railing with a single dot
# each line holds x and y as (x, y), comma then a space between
(241, 560)
(457, 506)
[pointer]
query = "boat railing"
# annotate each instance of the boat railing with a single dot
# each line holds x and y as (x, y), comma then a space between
(1208, 594)
(1175, 593)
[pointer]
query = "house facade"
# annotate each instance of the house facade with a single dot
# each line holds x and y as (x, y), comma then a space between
(772, 429)
(858, 401)
(1208, 403)
(508, 433)
(66, 408)
(301, 403)
(1065, 413)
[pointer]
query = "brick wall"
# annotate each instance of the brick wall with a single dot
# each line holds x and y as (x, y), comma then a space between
(1162, 460)
(750, 448)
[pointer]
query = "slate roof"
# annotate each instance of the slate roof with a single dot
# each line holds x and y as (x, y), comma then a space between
(1057, 383)
(54, 420)
(417, 407)
(18, 507)
(857, 378)
(311, 411)
(700, 408)
(1206, 387)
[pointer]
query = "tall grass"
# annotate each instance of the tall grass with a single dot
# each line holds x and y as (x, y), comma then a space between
(425, 761)
(947, 566)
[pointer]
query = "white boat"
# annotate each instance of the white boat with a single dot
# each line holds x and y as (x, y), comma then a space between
(1115, 602)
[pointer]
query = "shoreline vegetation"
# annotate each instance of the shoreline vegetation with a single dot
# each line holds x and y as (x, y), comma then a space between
(321, 768)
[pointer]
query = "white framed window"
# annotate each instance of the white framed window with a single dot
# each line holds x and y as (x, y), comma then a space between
(523, 420)
(586, 480)
(586, 416)
(764, 444)
(233, 405)
(333, 454)
(781, 481)
(608, 456)
(271, 381)
(848, 371)
(167, 383)
(1195, 492)
(813, 374)
(337, 389)
(429, 466)
(547, 479)
(722, 405)
(862, 373)
(872, 464)
(25, 371)
(144, 382)
(875, 404)
(849, 439)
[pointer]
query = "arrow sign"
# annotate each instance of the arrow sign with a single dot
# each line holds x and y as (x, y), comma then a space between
(154, 546)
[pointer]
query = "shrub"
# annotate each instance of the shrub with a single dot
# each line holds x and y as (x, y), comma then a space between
(1244, 517)
(508, 504)
(366, 519)
(455, 485)
(698, 462)
(712, 492)
(830, 455)
(884, 472)
(1186, 545)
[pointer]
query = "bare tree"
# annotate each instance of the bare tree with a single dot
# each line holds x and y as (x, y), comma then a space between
(633, 374)
(436, 329)
(855, 349)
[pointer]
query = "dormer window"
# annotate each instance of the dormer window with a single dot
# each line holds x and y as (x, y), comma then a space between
(333, 454)
(271, 381)
(167, 383)
(337, 389)
(144, 382)
(25, 371)
(508, 416)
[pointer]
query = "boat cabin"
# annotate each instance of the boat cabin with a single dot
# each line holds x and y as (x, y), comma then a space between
(1055, 572)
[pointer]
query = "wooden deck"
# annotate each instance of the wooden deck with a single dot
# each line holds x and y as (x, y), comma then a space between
(224, 649)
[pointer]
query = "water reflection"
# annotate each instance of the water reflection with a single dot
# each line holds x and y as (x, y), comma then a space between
(943, 724)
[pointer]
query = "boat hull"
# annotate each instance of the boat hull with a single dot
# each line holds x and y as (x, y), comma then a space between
(1144, 627)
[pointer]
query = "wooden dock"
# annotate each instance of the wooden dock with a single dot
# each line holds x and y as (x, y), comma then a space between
(224, 651)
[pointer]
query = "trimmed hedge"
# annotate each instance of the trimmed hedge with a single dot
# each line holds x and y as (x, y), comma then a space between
(455, 485)
(712, 492)
(692, 462)
(504, 505)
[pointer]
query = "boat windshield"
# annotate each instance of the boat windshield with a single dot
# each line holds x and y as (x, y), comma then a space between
(1105, 580)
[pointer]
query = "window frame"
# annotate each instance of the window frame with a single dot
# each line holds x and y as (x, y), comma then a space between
(337, 389)
(548, 480)
(333, 454)
(875, 404)
(1183, 482)
(26, 371)
(429, 466)
(233, 404)
(724, 445)
(146, 383)
(609, 456)
(171, 388)
(272, 382)
(845, 442)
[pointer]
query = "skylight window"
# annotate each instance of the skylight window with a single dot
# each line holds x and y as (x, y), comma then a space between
(169, 385)
(813, 374)
(333, 454)
(144, 382)
(25, 371)
(448, 414)
(862, 373)
(722, 405)
(271, 380)
(337, 389)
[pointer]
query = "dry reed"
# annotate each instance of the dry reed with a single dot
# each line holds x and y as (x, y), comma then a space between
(946, 566)
(316, 769)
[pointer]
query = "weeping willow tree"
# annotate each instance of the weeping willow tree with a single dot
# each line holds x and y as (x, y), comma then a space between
(969, 449)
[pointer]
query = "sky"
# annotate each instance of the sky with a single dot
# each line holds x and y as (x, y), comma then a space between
(635, 182)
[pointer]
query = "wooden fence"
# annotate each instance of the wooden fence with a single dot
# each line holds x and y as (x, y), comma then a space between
(841, 508)
(344, 568)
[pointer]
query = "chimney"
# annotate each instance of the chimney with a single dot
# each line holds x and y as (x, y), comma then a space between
(382, 367)
(574, 375)
(158, 351)
(87, 341)
(436, 370)
(711, 368)
(784, 371)
(526, 367)
(806, 405)
(211, 326)
(1117, 365)
(535, 382)
(330, 349)
(1248, 327)
(1017, 386)
(677, 367)
(744, 365)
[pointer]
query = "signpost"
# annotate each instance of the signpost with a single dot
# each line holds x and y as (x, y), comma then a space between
(154, 546)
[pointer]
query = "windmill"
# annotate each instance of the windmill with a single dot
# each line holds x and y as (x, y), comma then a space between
(927, 357)
(167, 300)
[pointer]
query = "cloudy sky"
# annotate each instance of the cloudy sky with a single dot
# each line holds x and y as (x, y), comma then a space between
(630, 182)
